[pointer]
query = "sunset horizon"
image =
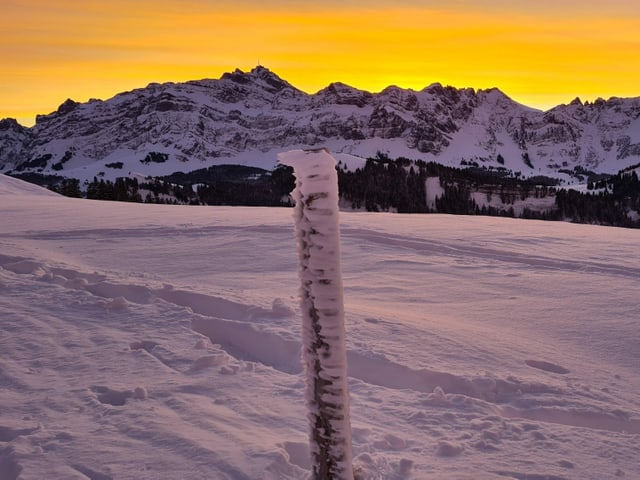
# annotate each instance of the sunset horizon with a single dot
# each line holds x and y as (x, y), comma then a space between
(539, 57)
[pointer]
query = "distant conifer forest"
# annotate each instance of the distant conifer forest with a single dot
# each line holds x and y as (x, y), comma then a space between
(383, 184)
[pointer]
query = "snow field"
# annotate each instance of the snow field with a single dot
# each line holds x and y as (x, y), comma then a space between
(153, 342)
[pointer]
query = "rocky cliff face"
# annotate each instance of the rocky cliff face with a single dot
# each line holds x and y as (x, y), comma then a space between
(246, 118)
(14, 142)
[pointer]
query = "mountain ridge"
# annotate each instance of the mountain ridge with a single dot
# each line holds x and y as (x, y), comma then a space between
(247, 117)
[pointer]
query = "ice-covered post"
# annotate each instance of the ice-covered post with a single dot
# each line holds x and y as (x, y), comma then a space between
(321, 299)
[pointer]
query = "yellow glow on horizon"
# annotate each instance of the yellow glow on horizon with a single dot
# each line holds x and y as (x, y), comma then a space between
(50, 51)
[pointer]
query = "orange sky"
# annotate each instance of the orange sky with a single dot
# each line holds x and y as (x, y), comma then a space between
(540, 53)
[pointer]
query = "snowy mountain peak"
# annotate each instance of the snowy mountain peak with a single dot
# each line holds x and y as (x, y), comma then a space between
(11, 124)
(343, 94)
(495, 96)
(14, 139)
(248, 117)
(67, 106)
(260, 76)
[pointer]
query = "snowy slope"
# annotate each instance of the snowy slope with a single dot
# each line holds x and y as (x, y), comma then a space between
(12, 190)
(246, 118)
(162, 342)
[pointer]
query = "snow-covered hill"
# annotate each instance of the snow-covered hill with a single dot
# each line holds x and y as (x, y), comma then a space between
(155, 342)
(246, 118)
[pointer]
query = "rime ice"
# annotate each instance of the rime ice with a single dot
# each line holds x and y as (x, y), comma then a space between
(321, 299)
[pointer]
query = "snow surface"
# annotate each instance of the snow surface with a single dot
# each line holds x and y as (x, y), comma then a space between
(162, 342)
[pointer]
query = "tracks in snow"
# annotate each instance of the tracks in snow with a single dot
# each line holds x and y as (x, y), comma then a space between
(247, 333)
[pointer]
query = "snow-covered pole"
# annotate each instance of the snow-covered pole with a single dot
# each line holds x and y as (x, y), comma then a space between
(321, 299)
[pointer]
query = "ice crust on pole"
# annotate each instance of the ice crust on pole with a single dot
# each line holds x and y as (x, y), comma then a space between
(321, 299)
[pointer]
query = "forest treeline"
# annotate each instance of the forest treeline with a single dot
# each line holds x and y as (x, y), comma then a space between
(400, 185)
(384, 184)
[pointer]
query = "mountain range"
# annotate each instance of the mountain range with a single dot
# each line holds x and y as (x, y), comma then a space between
(246, 118)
